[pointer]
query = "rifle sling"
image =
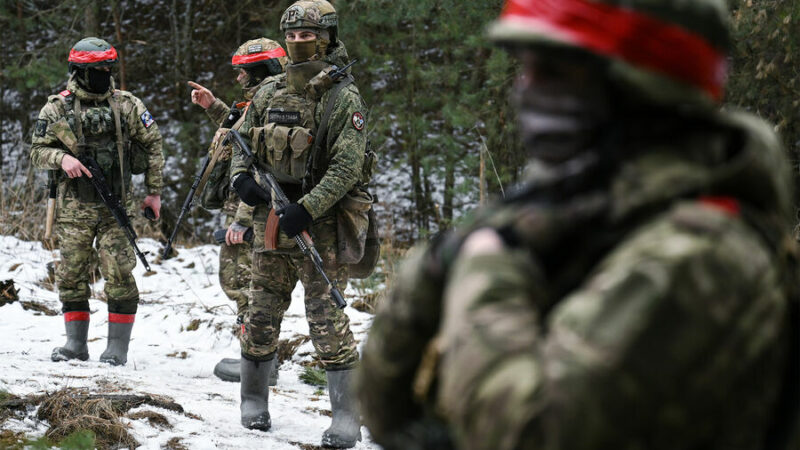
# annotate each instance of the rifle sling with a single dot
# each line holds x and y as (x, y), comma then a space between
(115, 110)
(321, 135)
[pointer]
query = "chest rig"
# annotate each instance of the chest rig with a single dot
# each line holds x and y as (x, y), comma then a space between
(287, 137)
(103, 136)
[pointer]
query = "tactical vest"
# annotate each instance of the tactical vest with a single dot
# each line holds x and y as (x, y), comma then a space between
(286, 139)
(99, 132)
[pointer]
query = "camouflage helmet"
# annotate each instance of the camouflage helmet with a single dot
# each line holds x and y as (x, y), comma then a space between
(261, 51)
(91, 52)
(667, 51)
(315, 14)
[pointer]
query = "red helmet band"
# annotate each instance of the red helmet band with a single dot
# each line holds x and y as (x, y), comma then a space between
(83, 57)
(621, 33)
(255, 57)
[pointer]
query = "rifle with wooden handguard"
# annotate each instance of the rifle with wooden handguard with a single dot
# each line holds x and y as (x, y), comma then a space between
(279, 201)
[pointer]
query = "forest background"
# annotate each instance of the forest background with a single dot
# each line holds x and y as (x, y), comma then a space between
(437, 92)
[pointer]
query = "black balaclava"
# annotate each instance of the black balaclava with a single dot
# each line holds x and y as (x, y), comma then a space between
(559, 120)
(93, 80)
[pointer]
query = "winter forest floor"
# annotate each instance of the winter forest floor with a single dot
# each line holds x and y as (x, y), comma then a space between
(183, 327)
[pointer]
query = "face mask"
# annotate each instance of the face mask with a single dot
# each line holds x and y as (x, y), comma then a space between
(99, 81)
(301, 51)
(559, 120)
(244, 80)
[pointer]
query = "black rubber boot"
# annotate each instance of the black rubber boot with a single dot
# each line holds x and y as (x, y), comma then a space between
(77, 332)
(255, 394)
(119, 336)
(345, 427)
(229, 369)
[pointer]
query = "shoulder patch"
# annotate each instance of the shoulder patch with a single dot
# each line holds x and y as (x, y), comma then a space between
(358, 121)
(147, 119)
(65, 93)
(41, 128)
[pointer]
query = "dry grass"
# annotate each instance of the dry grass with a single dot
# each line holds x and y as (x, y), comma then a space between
(288, 347)
(72, 411)
(155, 419)
(67, 413)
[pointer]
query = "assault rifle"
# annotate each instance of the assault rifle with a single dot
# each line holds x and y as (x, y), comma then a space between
(279, 201)
(113, 203)
(188, 203)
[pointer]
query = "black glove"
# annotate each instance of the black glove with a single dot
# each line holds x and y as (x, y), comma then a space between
(249, 191)
(293, 219)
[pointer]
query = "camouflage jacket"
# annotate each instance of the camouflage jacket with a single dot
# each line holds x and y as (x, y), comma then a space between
(49, 148)
(652, 313)
(343, 148)
(218, 190)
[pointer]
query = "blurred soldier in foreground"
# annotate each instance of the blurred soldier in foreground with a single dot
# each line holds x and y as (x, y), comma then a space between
(92, 119)
(309, 130)
(257, 61)
(635, 292)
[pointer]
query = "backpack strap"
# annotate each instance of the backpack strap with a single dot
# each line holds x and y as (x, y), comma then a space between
(321, 135)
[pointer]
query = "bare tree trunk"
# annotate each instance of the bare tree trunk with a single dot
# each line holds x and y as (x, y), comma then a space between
(449, 188)
(115, 9)
(91, 24)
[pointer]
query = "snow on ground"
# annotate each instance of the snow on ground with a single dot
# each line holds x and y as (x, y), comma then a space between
(182, 290)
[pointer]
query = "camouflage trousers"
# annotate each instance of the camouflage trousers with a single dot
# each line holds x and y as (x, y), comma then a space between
(76, 234)
(275, 274)
(234, 271)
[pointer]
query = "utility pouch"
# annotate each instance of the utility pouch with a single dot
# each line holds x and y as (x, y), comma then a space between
(355, 221)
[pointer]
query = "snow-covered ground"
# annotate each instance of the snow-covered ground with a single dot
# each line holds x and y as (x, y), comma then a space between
(164, 358)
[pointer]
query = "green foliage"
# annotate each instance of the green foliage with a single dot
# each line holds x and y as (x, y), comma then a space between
(78, 440)
(314, 377)
(766, 64)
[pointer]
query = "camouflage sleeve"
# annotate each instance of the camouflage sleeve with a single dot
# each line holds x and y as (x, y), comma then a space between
(244, 214)
(218, 112)
(346, 143)
(144, 130)
(675, 320)
(46, 149)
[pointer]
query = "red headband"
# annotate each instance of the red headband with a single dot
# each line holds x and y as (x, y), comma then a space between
(255, 57)
(82, 56)
(625, 34)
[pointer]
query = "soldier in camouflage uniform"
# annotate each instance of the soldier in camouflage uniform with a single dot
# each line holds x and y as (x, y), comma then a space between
(283, 121)
(635, 293)
(258, 61)
(116, 129)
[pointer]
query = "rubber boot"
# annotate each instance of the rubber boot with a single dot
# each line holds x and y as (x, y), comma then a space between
(255, 394)
(228, 369)
(77, 325)
(345, 427)
(119, 335)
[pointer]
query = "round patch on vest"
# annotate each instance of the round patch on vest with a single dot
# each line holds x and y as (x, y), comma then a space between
(358, 121)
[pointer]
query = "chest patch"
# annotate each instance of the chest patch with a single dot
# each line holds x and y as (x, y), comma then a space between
(284, 117)
(358, 121)
(147, 119)
(41, 128)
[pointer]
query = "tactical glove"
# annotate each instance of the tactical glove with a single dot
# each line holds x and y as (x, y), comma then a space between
(293, 219)
(249, 191)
